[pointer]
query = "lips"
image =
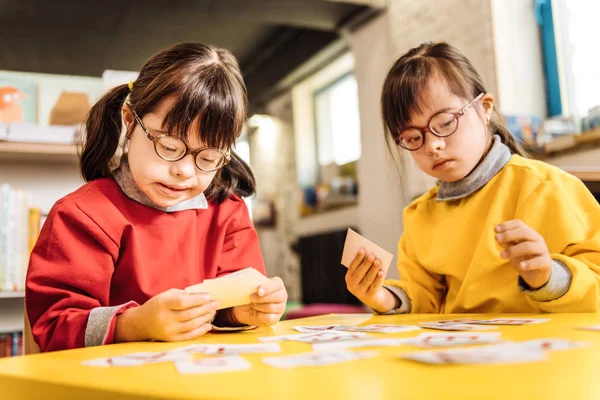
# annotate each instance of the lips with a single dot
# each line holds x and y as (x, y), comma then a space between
(441, 164)
(171, 190)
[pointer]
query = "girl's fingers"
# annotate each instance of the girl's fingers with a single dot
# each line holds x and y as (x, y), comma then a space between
(376, 285)
(371, 273)
(524, 250)
(517, 235)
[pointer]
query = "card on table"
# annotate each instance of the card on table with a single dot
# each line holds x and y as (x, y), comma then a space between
(352, 344)
(323, 336)
(319, 328)
(554, 344)
(374, 328)
(495, 354)
(137, 359)
(218, 349)
(354, 242)
(316, 359)
(454, 339)
(212, 365)
(595, 328)
(233, 289)
(379, 328)
(508, 321)
(445, 326)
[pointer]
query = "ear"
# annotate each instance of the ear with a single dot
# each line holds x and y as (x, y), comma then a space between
(488, 105)
(128, 118)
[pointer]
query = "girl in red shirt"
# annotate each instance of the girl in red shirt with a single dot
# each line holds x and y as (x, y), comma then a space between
(112, 257)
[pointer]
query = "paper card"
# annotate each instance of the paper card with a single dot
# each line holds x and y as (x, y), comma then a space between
(352, 344)
(509, 321)
(455, 327)
(495, 354)
(354, 242)
(231, 290)
(243, 348)
(435, 339)
(318, 328)
(229, 349)
(379, 328)
(136, 359)
(316, 359)
(595, 328)
(212, 365)
(554, 344)
(323, 336)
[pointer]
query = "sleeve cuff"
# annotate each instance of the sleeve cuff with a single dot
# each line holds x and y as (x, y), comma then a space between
(404, 301)
(100, 327)
(558, 284)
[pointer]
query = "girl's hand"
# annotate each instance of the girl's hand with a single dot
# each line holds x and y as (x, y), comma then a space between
(364, 279)
(173, 315)
(266, 307)
(526, 250)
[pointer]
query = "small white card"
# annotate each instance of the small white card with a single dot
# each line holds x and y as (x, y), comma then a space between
(212, 365)
(231, 290)
(316, 359)
(354, 242)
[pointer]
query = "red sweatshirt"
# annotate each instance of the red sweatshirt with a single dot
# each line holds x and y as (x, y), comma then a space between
(99, 250)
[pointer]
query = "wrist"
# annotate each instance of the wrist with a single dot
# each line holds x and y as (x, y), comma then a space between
(388, 302)
(234, 319)
(128, 328)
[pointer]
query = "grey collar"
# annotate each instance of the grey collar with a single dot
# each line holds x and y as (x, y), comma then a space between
(125, 180)
(493, 162)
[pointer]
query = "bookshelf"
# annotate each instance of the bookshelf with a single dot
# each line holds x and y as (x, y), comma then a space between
(12, 295)
(38, 152)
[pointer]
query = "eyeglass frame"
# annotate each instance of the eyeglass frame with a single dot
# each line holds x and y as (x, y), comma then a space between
(154, 139)
(456, 116)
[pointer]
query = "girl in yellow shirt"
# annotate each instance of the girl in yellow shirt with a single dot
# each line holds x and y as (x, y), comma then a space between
(499, 233)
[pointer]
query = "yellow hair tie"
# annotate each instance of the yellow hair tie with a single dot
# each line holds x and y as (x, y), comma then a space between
(130, 86)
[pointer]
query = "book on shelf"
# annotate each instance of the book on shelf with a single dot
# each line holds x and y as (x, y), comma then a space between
(11, 344)
(19, 230)
(25, 132)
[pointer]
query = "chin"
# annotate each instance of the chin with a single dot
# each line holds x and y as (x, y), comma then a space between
(449, 177)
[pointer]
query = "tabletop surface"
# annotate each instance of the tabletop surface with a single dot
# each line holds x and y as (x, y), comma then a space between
(570, 374)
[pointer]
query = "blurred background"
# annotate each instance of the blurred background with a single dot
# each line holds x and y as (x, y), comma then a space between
(314, 71)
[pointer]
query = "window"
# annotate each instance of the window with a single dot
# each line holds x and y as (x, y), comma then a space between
(570, 33)
(242, 149)
(337, 122)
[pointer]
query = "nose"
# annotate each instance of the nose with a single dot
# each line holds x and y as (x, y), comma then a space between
(184, 168)
(434, 143)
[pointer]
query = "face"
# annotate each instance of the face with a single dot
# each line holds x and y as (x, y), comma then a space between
(165, 183)
(451, 158)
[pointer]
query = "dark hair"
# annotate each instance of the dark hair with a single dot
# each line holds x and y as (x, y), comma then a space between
(409, 76)
(206, 84)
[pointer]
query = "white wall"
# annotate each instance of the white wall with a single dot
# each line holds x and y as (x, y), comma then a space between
(380, 201)
(518, 56)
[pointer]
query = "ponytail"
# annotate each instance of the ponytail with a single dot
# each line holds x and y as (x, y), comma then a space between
(234, 178)
(100, 139)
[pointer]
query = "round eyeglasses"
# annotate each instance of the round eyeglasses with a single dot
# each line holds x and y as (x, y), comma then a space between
(171, 148)
(442, 124)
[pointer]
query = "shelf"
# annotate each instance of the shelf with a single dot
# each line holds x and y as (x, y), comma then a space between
(12, 295)
(586, 174)
(38, 152)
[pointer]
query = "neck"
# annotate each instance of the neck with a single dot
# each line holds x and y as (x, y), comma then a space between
(495, 158)
(124, 178)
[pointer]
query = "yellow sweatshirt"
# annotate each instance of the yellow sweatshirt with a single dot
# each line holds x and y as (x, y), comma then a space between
(449, 260)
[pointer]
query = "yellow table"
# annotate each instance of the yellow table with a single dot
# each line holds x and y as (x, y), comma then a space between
(572, 374)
